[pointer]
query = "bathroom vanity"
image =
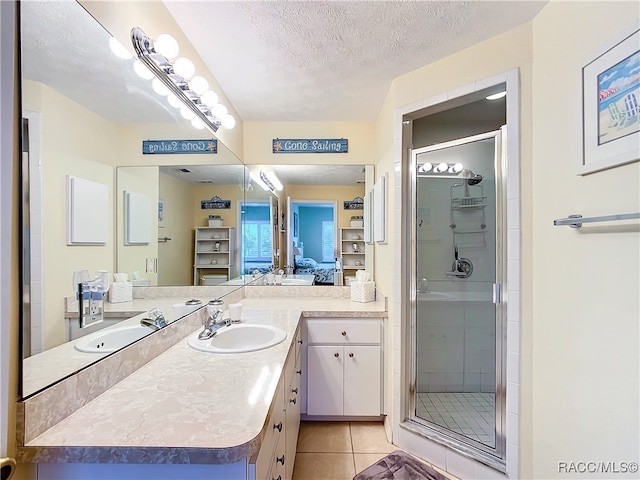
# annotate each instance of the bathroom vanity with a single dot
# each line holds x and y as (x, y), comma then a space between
(193, 414)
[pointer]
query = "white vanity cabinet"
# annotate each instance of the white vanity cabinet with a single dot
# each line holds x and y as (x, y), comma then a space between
(344, 367)
(278, 451)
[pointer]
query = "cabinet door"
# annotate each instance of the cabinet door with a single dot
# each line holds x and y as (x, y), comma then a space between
(292, 425)
(324, 381)
(362, 380)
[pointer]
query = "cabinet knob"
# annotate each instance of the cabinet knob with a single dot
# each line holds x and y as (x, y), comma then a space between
(278, 426)
(300, 342)
(279, 478)
(344, 334)
(351, 355)
(281, 460)
(294, 390)
(336, 354)
(293, 400)
(299, 372)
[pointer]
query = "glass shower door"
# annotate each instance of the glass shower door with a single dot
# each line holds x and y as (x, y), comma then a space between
(457, 272)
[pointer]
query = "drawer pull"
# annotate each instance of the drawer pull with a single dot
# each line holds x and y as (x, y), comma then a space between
(281, 460)
(336, 354)
(299, 372)
(344, 334)
(279, 478)
(293, 400)
(294, 390)
(351, 355)
(300, 342)
(278, 426)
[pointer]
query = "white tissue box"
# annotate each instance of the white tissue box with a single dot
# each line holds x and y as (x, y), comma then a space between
(120, 292)
(363, 291)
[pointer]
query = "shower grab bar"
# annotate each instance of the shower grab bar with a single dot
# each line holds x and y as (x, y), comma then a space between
(576, 221)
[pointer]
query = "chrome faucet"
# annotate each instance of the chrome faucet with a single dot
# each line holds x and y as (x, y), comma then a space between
(213, 323)
(155, 320)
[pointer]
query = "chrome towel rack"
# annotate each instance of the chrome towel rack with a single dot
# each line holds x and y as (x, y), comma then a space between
(576, 221)
(164, 239)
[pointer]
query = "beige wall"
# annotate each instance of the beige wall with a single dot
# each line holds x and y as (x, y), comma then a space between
(584, 371)
(68, 148)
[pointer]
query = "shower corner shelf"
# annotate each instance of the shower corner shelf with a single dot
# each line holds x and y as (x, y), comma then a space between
(461, 203)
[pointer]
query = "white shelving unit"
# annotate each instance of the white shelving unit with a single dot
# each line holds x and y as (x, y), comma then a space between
(353, 258)
(214, 253)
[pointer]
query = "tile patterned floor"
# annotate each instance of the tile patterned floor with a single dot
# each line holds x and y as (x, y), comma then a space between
(339, 450)
(470, 414)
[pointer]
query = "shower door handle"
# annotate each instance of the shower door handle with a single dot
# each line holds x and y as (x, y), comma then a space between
(497, 293)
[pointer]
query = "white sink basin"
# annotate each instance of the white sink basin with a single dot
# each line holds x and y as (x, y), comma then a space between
(239, 338)
(108, 341)
(295, 281)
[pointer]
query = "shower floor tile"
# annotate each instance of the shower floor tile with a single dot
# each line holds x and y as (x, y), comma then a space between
(470, 414)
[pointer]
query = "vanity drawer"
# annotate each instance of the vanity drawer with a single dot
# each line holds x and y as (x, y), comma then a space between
(343, 331)
(274, 427)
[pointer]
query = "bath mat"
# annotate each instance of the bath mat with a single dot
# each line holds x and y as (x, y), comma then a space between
(399, 465)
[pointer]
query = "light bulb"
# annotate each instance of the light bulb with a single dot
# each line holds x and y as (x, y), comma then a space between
(159, 87)
(186, 113)
(118, 49)
(219, 111)
(209, 98)
(426, 167)
(184, 67)
(256, 178)
(228, 122)
(197, 123)
(199, 85)
(458, 167)
(497, 96)
(166, 45)
(174, 101)
(142, 71)
(442, 167)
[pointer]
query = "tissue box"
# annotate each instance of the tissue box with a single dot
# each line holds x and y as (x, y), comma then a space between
(363, 291)
(120, 292)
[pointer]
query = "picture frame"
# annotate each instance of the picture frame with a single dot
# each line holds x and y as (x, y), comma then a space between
(162, 213)
(611, 104)
(295, 224)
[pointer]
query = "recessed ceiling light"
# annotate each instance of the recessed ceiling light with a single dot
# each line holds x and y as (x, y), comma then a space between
(497, 96)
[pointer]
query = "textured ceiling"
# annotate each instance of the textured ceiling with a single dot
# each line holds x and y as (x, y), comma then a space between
(331, 60)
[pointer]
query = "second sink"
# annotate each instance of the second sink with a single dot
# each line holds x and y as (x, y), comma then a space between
(239, 338)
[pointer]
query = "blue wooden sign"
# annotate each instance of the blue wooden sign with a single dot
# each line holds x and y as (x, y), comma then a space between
(355, 204)
(169, 147)
(319, 145)
(215, 203)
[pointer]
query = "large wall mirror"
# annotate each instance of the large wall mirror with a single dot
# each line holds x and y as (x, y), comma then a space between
(85, 114)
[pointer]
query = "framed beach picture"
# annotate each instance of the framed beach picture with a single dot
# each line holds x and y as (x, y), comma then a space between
(611, 105)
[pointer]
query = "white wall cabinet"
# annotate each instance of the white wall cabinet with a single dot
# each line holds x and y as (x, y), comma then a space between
(344, 367)
(352, 257)
(214, 253)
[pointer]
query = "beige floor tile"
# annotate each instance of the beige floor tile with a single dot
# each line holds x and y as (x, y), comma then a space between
(365, 460)
(324, 437)
(370, 437)
(324, 466)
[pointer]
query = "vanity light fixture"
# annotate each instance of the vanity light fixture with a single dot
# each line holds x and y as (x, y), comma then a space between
(443, 169)
(256, 178)
(199, 104)
(267, 180)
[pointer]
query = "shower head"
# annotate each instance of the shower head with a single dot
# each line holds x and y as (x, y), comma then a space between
(470, 177)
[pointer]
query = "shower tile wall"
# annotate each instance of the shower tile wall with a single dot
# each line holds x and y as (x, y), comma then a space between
(456, 350)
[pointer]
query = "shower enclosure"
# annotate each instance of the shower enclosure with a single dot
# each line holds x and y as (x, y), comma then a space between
(457, 377)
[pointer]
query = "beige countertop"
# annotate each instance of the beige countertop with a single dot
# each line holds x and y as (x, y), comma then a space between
(187, 406)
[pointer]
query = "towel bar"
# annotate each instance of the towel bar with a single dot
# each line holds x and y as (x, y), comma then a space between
(576, 221)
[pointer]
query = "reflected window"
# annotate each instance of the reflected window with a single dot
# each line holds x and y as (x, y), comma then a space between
(328, 249)
(256, 233)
